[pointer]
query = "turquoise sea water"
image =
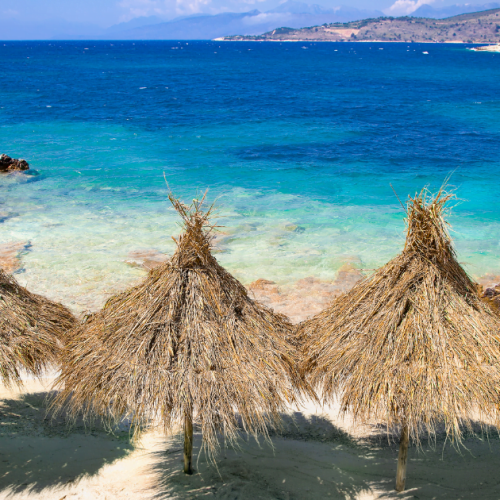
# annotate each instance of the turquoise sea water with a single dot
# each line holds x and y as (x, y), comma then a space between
(299, 142)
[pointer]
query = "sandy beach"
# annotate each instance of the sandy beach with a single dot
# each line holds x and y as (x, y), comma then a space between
(318, 455)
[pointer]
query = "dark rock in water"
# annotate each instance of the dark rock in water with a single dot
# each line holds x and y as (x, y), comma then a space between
(22, 165)
(5, 162)
(490, 292)
(490, 295)
(8, 164)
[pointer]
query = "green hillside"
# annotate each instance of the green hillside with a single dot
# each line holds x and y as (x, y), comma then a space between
(478, 27)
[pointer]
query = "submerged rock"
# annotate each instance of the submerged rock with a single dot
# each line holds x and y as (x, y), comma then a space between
(150, 258)
(492, 292)
(308, 296)
(493, 295)
(10, 255)
(8, 164)
(146, 259)
(260, 284)
(489, 292)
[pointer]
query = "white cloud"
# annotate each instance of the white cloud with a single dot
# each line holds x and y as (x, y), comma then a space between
(162, 8)
(174, 8)
(405, 7)
(277, 18)
(10, 13)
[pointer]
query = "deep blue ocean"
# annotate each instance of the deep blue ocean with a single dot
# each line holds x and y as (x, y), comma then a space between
(298, 142)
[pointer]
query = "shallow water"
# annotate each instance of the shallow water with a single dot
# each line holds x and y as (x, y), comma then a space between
(298, 145)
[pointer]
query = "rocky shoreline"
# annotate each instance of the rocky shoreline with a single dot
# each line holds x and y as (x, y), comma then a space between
(8, 164)
(477, 27)
(298, 300)
(487, 48)
(307, 296)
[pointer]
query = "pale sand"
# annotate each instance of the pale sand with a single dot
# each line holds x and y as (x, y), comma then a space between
(320, 457)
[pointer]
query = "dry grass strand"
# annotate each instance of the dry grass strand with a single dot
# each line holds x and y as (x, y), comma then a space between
(412, 343)
(32, 330)
(188, 338)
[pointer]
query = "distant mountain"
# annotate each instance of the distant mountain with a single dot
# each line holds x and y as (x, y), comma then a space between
(293, 7)
(134, 23)
(192, 28)
(291, 14)
(342, 13)
(347, 14)
(452, 10)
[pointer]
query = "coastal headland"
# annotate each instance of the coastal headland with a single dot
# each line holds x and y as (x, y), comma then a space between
(478, 27)
(488, 48)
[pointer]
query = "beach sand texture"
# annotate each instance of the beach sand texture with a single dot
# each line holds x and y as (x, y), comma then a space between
(318, 456)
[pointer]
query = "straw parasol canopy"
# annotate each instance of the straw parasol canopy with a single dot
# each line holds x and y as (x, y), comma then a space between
(187, 343)
(31, 330)
(412, 345)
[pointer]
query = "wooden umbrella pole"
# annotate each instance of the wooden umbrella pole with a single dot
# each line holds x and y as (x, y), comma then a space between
(402, 459)
(188, 442)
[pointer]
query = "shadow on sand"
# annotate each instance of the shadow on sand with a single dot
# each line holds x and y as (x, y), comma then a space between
(313, 459)
(38, 451)
(294, 467)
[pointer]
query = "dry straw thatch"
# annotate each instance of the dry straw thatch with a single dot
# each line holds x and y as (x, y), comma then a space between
(412, 345)
(186, 344)
(31, 330)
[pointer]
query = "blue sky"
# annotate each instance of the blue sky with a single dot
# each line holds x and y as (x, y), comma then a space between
(107, 12)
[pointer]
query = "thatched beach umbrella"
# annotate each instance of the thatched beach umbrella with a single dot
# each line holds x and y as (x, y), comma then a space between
(412, 345)
(32, 329)
(186, 344)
